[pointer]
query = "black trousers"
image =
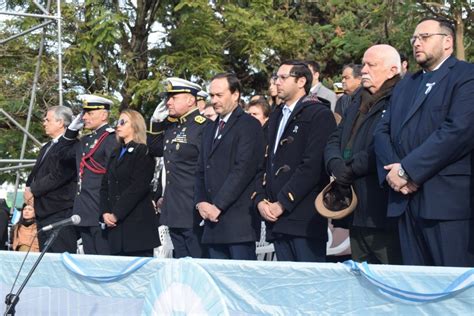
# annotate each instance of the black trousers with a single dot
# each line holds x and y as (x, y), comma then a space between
(237, 251)
(140, 253)
(186, 242)
(67, 238)
(302, 249)
(94, 240)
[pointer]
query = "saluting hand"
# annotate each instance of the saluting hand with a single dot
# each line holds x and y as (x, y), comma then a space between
(77, 123)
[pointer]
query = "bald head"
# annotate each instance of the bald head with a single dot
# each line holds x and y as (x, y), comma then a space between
(380, 63)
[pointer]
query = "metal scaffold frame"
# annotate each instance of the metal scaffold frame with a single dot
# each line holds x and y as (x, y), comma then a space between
(48, 18)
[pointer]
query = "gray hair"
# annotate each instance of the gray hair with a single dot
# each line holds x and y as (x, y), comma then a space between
(62, 113)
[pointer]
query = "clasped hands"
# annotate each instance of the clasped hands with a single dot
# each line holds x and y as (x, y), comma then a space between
(209, 211)
(397, 183)
(109, 219)
(270, 211)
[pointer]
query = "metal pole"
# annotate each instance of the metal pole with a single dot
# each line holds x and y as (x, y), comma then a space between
(16, 168)
(34, 28)
(16, 160)
(30, 108)
(40, 16)
(41, 7)
(60, 53)
(21, 127)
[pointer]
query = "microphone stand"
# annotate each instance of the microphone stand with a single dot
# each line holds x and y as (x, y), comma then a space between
(12, 299)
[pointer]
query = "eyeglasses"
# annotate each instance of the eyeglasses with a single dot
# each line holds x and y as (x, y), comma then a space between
(423, 37)
(283, 77)
(121, 122)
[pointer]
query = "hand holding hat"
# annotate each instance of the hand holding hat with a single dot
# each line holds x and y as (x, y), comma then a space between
(343, 173)
(77, 123)
(161, 112)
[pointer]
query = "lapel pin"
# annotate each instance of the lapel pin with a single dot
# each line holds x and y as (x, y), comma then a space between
(295, 130)
(131, 149)
(429, 86)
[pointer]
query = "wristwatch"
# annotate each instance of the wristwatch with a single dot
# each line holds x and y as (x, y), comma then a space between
(402, 174)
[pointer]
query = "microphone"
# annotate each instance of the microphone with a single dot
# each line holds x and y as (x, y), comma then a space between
(73, 220)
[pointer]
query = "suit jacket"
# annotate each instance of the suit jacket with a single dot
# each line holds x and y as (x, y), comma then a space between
(433, 138)
(371, 210)
(53, 180)
(226, 175)
(296, 186)
(126, 193)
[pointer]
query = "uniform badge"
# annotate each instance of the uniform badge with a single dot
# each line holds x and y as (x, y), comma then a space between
(180, 138)
(199, 119)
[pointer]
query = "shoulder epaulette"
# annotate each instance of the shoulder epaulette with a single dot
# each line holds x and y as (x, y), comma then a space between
(199, 119)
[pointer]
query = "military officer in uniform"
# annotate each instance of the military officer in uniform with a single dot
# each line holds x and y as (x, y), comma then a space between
(180, 146)
(92, 153)
(201, 101)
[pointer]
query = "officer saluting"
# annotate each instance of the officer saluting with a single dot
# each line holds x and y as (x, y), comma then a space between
(180, 146)
(92, 154)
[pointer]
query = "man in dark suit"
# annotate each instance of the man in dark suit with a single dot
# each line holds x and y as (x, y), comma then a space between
(294, 171)
(52, 182)
(91, 154)
(424, 146)
(350, 158)
(231, 155)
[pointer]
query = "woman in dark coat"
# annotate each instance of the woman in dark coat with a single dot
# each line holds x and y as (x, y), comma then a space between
(126, 197)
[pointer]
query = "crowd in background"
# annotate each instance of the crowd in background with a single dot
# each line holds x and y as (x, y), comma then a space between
(400, 144)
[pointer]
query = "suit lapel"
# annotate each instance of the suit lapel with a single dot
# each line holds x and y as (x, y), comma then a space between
(39, 159)
(298, 108)
(46, 150)
(273, 129)
(228, 126)
(437, 77)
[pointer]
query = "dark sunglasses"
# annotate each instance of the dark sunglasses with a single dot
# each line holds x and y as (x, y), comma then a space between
(121, 122)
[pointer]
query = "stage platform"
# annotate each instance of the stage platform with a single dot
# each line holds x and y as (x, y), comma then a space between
(101, 285)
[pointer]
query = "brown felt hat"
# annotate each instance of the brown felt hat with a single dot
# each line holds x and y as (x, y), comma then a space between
(336, 201)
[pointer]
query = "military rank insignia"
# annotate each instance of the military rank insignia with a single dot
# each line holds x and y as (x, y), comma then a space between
(199, 119)
(180, 138)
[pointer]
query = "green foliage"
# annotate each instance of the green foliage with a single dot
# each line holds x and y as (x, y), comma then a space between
(116, 49)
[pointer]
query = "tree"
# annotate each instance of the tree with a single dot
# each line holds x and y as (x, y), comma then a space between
(461, 14)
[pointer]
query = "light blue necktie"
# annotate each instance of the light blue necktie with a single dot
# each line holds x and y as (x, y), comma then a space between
(285, 115)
